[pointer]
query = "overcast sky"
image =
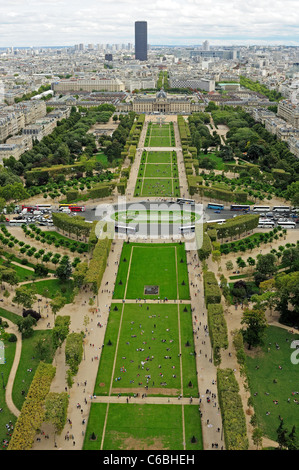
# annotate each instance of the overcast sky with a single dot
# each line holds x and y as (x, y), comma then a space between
(221, 22)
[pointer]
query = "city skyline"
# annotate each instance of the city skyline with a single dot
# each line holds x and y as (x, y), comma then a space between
(59, 23)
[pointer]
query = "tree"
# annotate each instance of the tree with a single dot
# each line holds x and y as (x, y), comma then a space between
(60, 330)
(24, 296)
(229, 265)
(282, 435)
(57, 303)
(25, 326)
(257, 437)
(256, 324)
(64, 270)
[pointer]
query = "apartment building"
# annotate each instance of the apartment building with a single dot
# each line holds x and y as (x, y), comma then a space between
(88, 84)
(289, 112)
(14, 118)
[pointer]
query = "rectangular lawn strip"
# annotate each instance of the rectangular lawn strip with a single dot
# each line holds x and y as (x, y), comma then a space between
(263, 368)
(193, 428)
(183, 280)
(143, 427)
(152, 265)
(159, 157)
(158, 170)
(155, 187)
(160, 141)
(148, 350)
(95, 425)
(103, 380)
(122, 274)
(190, 385)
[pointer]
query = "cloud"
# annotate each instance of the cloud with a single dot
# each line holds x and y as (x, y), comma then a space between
(67, 22)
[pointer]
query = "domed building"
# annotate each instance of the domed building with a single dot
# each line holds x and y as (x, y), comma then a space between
(162, 103)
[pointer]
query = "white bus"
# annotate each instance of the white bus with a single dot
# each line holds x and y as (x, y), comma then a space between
(265, 224)
(281, 208)
(287, 224)
(217, 221)
(44, 206)
(187, 229)
(125, 229)
(261, 208)
(182, 200)
(17, 223)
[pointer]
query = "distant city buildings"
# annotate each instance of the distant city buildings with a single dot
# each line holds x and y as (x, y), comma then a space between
(141, 40)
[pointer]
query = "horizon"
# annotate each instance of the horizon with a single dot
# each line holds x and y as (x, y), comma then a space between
(174, 22)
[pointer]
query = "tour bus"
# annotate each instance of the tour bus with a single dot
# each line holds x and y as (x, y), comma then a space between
(17, 223)
(266, 224)
(212, 205)
(218, 221)
(240, 207)
(125, 229)
(42, 207)
(72, 207)
(182, 200)
(187, 228)
(261, 208)
(287, 224)
(281, 209)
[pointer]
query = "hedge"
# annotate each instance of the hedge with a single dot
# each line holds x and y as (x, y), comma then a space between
(217, 330)
(74, 351)
(206, 249)
(97, 264)
(33, 410)
(212, 292)
(233, 417)
(76, 225)
(99, 191)
(237, 225)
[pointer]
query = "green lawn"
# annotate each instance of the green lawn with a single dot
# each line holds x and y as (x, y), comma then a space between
(102, 158)
(158, 157)
(151, 337)
(265, 392)
(150, 187)
(159, 136)
(50, 288)
(158, 264)
(29, 362)
(218, 161)
(5, 414)
(158, 170)
(158, 175)
(143, 427)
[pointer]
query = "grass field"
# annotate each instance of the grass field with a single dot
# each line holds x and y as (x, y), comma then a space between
(162, 265)
(152, 346)
(270, 364)
(143, 427)
(219, 163)
(158, 175)
(160, 136)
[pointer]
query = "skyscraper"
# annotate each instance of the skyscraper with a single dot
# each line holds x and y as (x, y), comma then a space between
(140, 40)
